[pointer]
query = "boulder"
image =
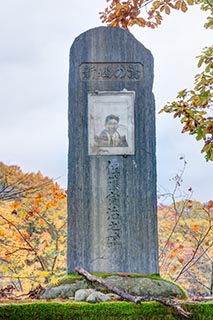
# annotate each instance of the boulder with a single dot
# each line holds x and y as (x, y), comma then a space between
(64, 291)
(97, 296)
(83, 294)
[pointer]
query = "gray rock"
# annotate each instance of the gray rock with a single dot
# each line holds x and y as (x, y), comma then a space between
(146, 287)
(97, 296)
(136, 286)
(83, 294)
(64, 291)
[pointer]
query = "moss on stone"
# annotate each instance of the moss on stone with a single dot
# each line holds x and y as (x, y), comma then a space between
(72, 278)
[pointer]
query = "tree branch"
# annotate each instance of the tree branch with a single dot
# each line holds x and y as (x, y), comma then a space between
(129, 297)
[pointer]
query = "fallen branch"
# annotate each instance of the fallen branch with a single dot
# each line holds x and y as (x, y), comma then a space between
(129, 297)
(7, 292)
(36, 293)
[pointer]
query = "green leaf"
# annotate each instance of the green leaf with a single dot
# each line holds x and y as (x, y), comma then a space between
(199, 134)
(200, 62)
(208, 68)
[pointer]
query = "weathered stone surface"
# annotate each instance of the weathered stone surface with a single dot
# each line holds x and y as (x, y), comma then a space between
(97, 296)
(64, 291)
(148, 287)
(112, 221)
(83, 294)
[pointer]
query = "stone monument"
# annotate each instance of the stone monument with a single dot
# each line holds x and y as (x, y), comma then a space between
(112, 219)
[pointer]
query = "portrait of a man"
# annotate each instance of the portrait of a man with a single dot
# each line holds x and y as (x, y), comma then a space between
(110, 136)
(111, 123)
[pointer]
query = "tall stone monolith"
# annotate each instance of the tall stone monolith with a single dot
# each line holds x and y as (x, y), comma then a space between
(112, 220)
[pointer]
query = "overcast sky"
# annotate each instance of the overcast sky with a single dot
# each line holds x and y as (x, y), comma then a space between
(35, 38)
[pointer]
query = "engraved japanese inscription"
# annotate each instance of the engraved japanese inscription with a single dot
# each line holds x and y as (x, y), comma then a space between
(111, 71)
(111, 123)
(113, 204)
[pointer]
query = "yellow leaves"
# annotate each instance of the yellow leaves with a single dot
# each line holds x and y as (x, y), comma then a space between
(156, 4)
(167, 9)
(178, 4)
(2, 233)
(181, 4)
(184, 6)
(51, 204)
(4, 269)
(140, 22)
(44, 273)
(54, 280)
(118, 8)
(22, 214)
(31, 235)
(38, 199)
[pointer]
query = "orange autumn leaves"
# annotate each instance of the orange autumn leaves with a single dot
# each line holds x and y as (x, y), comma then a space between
(32, 228)
(192, 107)
(33, 234)
(125, 14)
(186, 244)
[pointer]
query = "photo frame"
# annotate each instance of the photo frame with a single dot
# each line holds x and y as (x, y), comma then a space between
(111, 123)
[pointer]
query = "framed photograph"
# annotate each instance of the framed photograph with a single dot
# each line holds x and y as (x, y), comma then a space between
(111, 123)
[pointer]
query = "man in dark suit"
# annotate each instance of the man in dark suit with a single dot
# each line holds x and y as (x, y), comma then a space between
(110, 137)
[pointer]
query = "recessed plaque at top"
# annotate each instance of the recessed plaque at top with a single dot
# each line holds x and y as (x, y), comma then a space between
(111, 123)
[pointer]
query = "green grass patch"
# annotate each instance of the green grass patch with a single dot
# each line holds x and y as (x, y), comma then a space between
(101, 311)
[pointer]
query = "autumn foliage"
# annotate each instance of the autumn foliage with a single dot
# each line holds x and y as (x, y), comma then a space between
(192, 107)
(186, 245)
(33, 234)
(143, 13)
(32, 228)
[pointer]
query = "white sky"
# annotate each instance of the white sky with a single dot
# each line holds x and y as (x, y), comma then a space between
(35, 37)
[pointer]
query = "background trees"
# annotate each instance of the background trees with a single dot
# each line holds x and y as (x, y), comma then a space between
(193, 107)
(33, 234)
(185, 239)
(32, 228)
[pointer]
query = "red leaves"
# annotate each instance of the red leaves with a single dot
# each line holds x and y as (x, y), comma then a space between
(210, 204)
(181, 260)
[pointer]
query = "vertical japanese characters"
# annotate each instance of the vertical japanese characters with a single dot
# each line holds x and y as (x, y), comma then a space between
(113, 204)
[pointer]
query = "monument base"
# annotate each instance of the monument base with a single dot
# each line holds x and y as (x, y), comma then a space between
(137, 285)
